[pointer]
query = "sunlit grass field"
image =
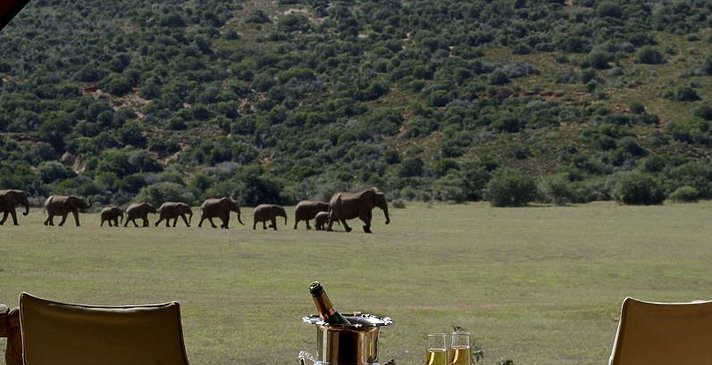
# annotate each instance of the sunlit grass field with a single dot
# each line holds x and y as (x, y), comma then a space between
(538, 285)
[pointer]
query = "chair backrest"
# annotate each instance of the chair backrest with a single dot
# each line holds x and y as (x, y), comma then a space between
(60, 333)
(663, 333)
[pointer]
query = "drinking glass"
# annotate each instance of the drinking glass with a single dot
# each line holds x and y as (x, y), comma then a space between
(460, 353)
(436, 352)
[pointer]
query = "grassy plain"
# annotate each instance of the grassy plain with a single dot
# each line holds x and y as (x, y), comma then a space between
(539, 285)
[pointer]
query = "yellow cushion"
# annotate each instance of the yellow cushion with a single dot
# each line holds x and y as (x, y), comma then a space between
(56, 333)
(663, 334)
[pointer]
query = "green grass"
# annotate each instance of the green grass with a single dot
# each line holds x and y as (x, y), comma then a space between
(539, 285)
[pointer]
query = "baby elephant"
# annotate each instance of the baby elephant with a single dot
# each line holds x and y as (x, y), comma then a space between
(113, 215)
(268, 212)
(321, 220)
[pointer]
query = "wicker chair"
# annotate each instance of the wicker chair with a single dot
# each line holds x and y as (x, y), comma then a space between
(44, 332)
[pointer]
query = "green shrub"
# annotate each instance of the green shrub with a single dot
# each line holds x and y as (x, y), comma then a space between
(707, 65)
(162, 192)
(132, 134)
(683, 93)
(650, 55)
(609, 9)
(52, 171)
(556, 189)
(638, 188)
(451, 188)
(685, 194)
(704, 112)
(498, 77)
(637, 107)
(510, 189)
(599, 59)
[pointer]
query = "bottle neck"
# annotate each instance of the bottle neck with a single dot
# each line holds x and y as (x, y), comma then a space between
(324, 306)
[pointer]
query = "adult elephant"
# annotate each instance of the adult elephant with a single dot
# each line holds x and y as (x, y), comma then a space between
(173, 210)
(220, 208)
(268, 212)
(345, 206)
(307, 210)
(139, 211)
(111, 214)
(63, 205)
(9, 200)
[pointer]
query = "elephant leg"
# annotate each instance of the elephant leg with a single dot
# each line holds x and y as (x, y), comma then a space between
(76, 217)
(295, 223)
(212, 224)
(168, 224)
(126, 222)
(145, 223)
(184, 220)
(274, 223)
(330, 224)
(14, 217)
(49, 218)
(366, 218)
(264, 224)
(4, 217)
(102, 223)
(346, 226)
(254, 225)
(175, 221)
(200, 224)
(64, 219)
(226, 221)
(308, 226)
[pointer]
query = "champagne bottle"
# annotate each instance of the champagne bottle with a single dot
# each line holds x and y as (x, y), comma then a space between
(326, 310)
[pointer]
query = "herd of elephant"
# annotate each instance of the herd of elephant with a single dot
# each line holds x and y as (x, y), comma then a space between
(341, 207)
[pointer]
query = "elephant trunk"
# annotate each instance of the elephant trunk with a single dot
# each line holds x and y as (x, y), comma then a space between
(90, 203)
(26, 203)
(385, 211)
(238, 218)
(285, 219)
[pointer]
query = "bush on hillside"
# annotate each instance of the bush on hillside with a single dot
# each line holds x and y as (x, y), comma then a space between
(683, 93)
(704, 112)
(162, 192)
(510, 189)
(650, 56)
(638, 188)
(685, 194)
(556, 189)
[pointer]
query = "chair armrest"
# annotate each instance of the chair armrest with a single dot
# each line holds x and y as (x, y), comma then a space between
(4, 320)
(10, 328)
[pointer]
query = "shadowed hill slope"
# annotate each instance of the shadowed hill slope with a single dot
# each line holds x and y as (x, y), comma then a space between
(280, 101)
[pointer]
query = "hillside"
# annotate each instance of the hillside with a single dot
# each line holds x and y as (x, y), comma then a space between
(290, 99)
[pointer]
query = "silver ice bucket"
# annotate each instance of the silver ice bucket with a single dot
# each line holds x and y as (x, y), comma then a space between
(355, 344)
